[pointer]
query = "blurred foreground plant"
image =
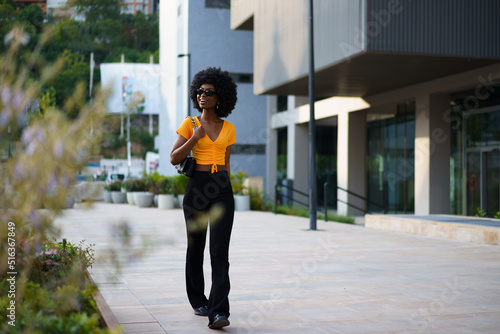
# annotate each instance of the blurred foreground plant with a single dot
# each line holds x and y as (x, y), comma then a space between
(49, 150)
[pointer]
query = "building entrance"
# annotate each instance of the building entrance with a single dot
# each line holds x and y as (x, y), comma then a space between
(483, 175)
(482, 165)
(490, 191)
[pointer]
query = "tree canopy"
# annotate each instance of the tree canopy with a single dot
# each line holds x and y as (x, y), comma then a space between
(105, 32)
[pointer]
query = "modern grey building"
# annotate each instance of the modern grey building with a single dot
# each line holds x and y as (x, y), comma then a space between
(408, 100)
(195, 35)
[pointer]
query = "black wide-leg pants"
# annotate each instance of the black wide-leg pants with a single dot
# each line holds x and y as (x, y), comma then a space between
(208, 202)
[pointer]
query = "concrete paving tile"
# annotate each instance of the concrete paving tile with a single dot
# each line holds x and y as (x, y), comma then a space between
(148, 327)
(120, 297)
(127, 315)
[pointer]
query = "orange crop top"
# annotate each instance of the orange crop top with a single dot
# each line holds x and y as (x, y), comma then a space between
(209, 152)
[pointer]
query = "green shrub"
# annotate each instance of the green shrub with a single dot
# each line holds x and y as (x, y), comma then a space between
(51, 292)
(165, 185)
(57, 260)
(237, 180)
(179, 184)
(257, 201)
(480, 212)
(129, 185)
(140, 185)
(115, 186)
(333, 217)
(304, 212)
(151, 180)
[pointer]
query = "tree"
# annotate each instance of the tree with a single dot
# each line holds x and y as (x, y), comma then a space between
(75, 71)
(32, 15)
(95, 10)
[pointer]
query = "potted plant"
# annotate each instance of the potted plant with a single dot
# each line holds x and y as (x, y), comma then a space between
(165, 193)
(107, 193)
(179, 188)
(130, 187)
(117, 196)
(152, 180)
(142, 197)
(240, 191)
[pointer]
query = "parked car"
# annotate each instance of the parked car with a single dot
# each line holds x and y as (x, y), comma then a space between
(112, 177)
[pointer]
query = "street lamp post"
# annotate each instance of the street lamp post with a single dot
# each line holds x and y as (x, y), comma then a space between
(188, 55)
(312, 125)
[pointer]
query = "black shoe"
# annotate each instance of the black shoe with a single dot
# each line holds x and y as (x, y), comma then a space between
(219, 322)
(201, 311)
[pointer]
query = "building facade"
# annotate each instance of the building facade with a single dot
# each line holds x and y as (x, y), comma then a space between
(133, 6)
(408, 100)
(195, 35)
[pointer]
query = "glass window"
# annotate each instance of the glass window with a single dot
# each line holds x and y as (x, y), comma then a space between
(242, 77)
(390, 161)
(326, 165)
(282, 103)
(282, 154)
(483, 130)
(219, 4)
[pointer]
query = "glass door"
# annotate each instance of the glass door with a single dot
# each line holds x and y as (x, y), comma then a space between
(490, 181)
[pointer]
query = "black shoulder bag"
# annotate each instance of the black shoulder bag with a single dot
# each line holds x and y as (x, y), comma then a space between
(187, 166)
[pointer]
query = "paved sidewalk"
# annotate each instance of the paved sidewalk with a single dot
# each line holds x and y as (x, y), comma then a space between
(285, 279)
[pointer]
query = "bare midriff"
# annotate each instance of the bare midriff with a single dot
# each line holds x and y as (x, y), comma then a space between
(208, 168)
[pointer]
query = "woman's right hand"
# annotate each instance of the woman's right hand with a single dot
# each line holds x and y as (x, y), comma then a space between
(199, 133)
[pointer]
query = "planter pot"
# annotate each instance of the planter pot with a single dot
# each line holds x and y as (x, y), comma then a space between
(118, 197)
(178, 202)
(165, 202)
(107, 197)
(130, 198)
(143, 199)
(241, 202)
(70, 202)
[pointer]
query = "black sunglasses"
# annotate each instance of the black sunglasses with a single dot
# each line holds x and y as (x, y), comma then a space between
(207, 92)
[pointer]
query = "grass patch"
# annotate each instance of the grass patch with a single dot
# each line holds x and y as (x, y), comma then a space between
(304, 212)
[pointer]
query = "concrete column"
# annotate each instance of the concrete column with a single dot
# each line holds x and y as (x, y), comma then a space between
(342, 161)
(432, 155)
(290, 161)
(301, 157)
(357, 161)
(271, 149)
(351, 161)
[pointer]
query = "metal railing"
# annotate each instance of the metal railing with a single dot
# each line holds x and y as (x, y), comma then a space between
(276, 188)
(325, 194)
(366, 200)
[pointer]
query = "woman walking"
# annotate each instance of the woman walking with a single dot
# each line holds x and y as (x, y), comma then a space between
(209, 201)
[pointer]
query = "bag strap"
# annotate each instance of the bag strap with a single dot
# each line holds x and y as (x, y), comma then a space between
(195, 126)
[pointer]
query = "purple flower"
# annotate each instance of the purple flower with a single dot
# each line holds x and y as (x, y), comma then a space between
(6, 95)
(4, 117)
(16, 101)
(58, 149)
(19, 171)
(52, 186)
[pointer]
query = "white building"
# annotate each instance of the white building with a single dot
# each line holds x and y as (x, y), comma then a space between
(197, 33)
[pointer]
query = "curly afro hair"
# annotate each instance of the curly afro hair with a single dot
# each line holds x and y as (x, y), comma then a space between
(224, 85)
